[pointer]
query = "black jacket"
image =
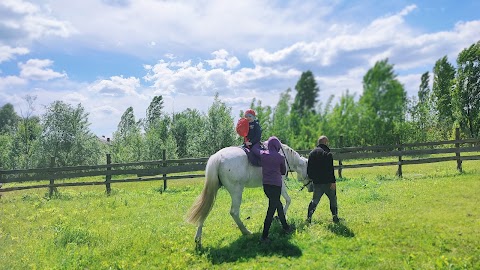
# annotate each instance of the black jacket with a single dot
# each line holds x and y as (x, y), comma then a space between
(320, 165)
(255, 132)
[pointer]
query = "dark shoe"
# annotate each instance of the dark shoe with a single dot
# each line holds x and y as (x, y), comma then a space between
(265, 240)
(309, 220)
(336, 219)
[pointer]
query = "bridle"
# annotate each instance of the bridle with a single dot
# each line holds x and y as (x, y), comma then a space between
(290, 170)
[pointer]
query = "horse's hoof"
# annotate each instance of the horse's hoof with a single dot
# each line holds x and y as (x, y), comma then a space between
(198, 244)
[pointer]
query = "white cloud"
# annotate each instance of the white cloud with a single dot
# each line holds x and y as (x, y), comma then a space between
(75, 98)
(411, 83)
(11, 81)
(117, 86)
(7, 53)
(385, 31)
(181, 26)
(38, 69)
(222, 59)
(24, 22)
(351, 80)
(19, 6)
(173, 78)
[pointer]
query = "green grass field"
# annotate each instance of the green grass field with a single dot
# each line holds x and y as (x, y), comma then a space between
(430, 219)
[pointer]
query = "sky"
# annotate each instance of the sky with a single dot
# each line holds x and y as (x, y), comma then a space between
(108, 55)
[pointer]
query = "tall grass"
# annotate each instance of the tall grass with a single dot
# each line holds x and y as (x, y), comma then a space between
(429, 219)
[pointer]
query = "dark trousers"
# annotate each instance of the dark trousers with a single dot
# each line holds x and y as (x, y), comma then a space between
(253, 154)
(318, 191)
(274, 204)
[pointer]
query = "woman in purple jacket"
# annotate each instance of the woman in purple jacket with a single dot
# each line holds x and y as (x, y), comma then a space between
(273, 167)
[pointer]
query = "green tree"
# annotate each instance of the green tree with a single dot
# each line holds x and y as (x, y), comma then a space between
(310, 125)
(159, 137)
(8, 118)
(422, 113)
(25, 143)
(219, 132)
(28, 132)
(442, 90)
(154, 111)
(67, 137)
(382, 105)
(307, 92)
(188, 127)
(280, 126)
(467, 90)
(5, 150)
(127, 142)
(424, 89)
(343, 120)
(157, 140)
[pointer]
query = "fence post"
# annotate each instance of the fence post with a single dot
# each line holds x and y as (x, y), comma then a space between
(457, 152)
(400, 149)
(108, 177)
(164, 164)
(340, 144)
(52, 182)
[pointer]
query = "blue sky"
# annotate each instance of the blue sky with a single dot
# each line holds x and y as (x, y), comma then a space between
(109, 55)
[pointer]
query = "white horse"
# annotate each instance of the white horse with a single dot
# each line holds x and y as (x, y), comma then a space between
(230, 167)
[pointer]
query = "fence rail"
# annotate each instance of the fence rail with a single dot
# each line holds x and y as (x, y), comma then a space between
(163, 169)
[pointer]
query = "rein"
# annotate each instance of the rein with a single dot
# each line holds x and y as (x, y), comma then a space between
(288, 165)
(286, 159)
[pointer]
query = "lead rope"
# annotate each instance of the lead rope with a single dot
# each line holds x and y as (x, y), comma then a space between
(306, 185)
(288, 165)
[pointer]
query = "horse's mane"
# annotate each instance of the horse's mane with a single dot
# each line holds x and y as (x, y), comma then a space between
(292, 152)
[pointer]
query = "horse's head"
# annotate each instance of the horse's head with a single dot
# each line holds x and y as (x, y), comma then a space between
(296, 163)
(301, 169)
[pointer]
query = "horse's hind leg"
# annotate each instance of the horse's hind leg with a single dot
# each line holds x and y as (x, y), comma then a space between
(235, 211)
(287, 199)
(198, 236)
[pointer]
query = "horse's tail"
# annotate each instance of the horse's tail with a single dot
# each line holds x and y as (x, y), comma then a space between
(204, 202)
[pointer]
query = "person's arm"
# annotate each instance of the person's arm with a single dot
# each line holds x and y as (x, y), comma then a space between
(333, 184)
(310, 166)
(331, 167)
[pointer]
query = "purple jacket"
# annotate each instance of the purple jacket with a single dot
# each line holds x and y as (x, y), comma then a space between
(273, 164)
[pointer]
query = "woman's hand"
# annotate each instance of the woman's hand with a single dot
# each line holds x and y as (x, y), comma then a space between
(248, 143)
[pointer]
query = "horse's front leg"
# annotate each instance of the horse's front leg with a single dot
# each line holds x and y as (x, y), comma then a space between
(287, 199)
(235, 211)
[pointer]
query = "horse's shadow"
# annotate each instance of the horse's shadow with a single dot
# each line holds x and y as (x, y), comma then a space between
(249, 247)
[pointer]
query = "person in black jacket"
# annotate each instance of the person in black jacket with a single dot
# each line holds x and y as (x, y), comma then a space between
(320, 169)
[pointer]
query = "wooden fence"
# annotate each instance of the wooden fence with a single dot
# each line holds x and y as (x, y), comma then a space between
(163, 169)
(402, 150)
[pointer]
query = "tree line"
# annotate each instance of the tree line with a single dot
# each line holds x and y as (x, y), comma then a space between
(381, 115)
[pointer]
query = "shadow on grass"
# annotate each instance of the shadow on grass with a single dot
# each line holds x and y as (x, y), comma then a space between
(249, 247)
(341, 229)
